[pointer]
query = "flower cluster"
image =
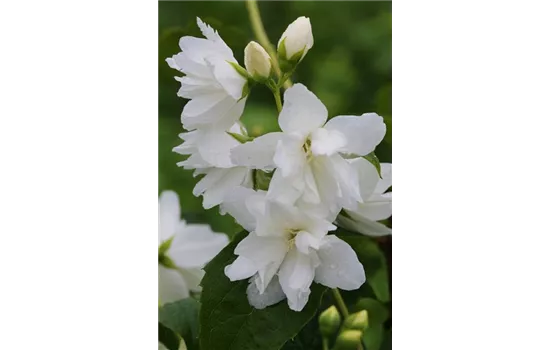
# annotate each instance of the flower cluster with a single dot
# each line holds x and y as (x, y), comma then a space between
(288, 189)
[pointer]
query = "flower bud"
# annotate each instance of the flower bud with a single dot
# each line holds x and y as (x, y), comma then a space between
(357, 321)
(257, 61)
(348, 340)
(296, 40)
(329, 321)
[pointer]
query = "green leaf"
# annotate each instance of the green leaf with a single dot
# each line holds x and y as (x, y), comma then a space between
(373, 159)
(228, 322)
(182, 317)
(386, 343)
(168, 338)
(373, 337)
(374, 263)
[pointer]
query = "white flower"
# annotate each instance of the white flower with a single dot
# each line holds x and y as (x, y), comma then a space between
(309, 155)
(211, 82)
(297, 38)
(377, 203)
(209, 152)
(155, 224)
(185, 248)
(257, 60)
(287, 249)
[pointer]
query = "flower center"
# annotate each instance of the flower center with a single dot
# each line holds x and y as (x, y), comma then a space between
(291, 236)
(307, 148)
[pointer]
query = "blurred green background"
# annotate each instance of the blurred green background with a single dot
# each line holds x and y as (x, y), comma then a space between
(348, 68)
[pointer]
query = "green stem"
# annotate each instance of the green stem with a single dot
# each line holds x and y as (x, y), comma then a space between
(340, 302)
(277, 95)
(325, 343)
(259, 32)
(342, 307)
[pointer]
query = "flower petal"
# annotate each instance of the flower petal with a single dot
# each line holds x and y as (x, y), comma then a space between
(340, 267)
(169, 215)
(362, 133)
(295, 276)
(240, 269)
(224, 180)
(368, 176)
(327, 142)
(377, 207)
(195, 245)
(262, 250)
(257, 154)
(172, 287)
(231, 81)
(242, 204)
(362, 225)
(385, 182)
(192, 277)
(302, 111)
(290, 156)
(271, 295)
(285, 190)
(156, 224)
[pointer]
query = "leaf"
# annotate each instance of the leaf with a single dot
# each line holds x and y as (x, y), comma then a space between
(386, 343)
(373, 159)
(373, 261)
(228, 322)
(168, 338)
(373, 337)
(182, 317)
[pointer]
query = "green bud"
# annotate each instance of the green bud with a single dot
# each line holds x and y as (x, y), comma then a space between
(348, 340)
(329, 321)
(357, 321)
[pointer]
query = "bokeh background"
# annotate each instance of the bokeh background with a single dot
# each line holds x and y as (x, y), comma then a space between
(348, 68)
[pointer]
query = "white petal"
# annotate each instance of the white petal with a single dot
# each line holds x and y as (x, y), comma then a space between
(234, 203)
(290, 156)
(172, 287)
(362, 225)
(257, 154)
(285, 190)
(240, 269)
(305, 240)
(377, 207)
(327, 142)
(311, 192)
(213, 36)
(347, 179)
(156, 224)
(214, 112)
(195, 245)
(234, 177)
(202, 104)
(192, 277)
(302, 111)
(295, 276)
(169, 215)
(262, 250)
(215, 147)
(271, 296)
(339, 266)
(368, 176)
(193, 87)
(231, 81)
(363, 133)
(385, 182)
